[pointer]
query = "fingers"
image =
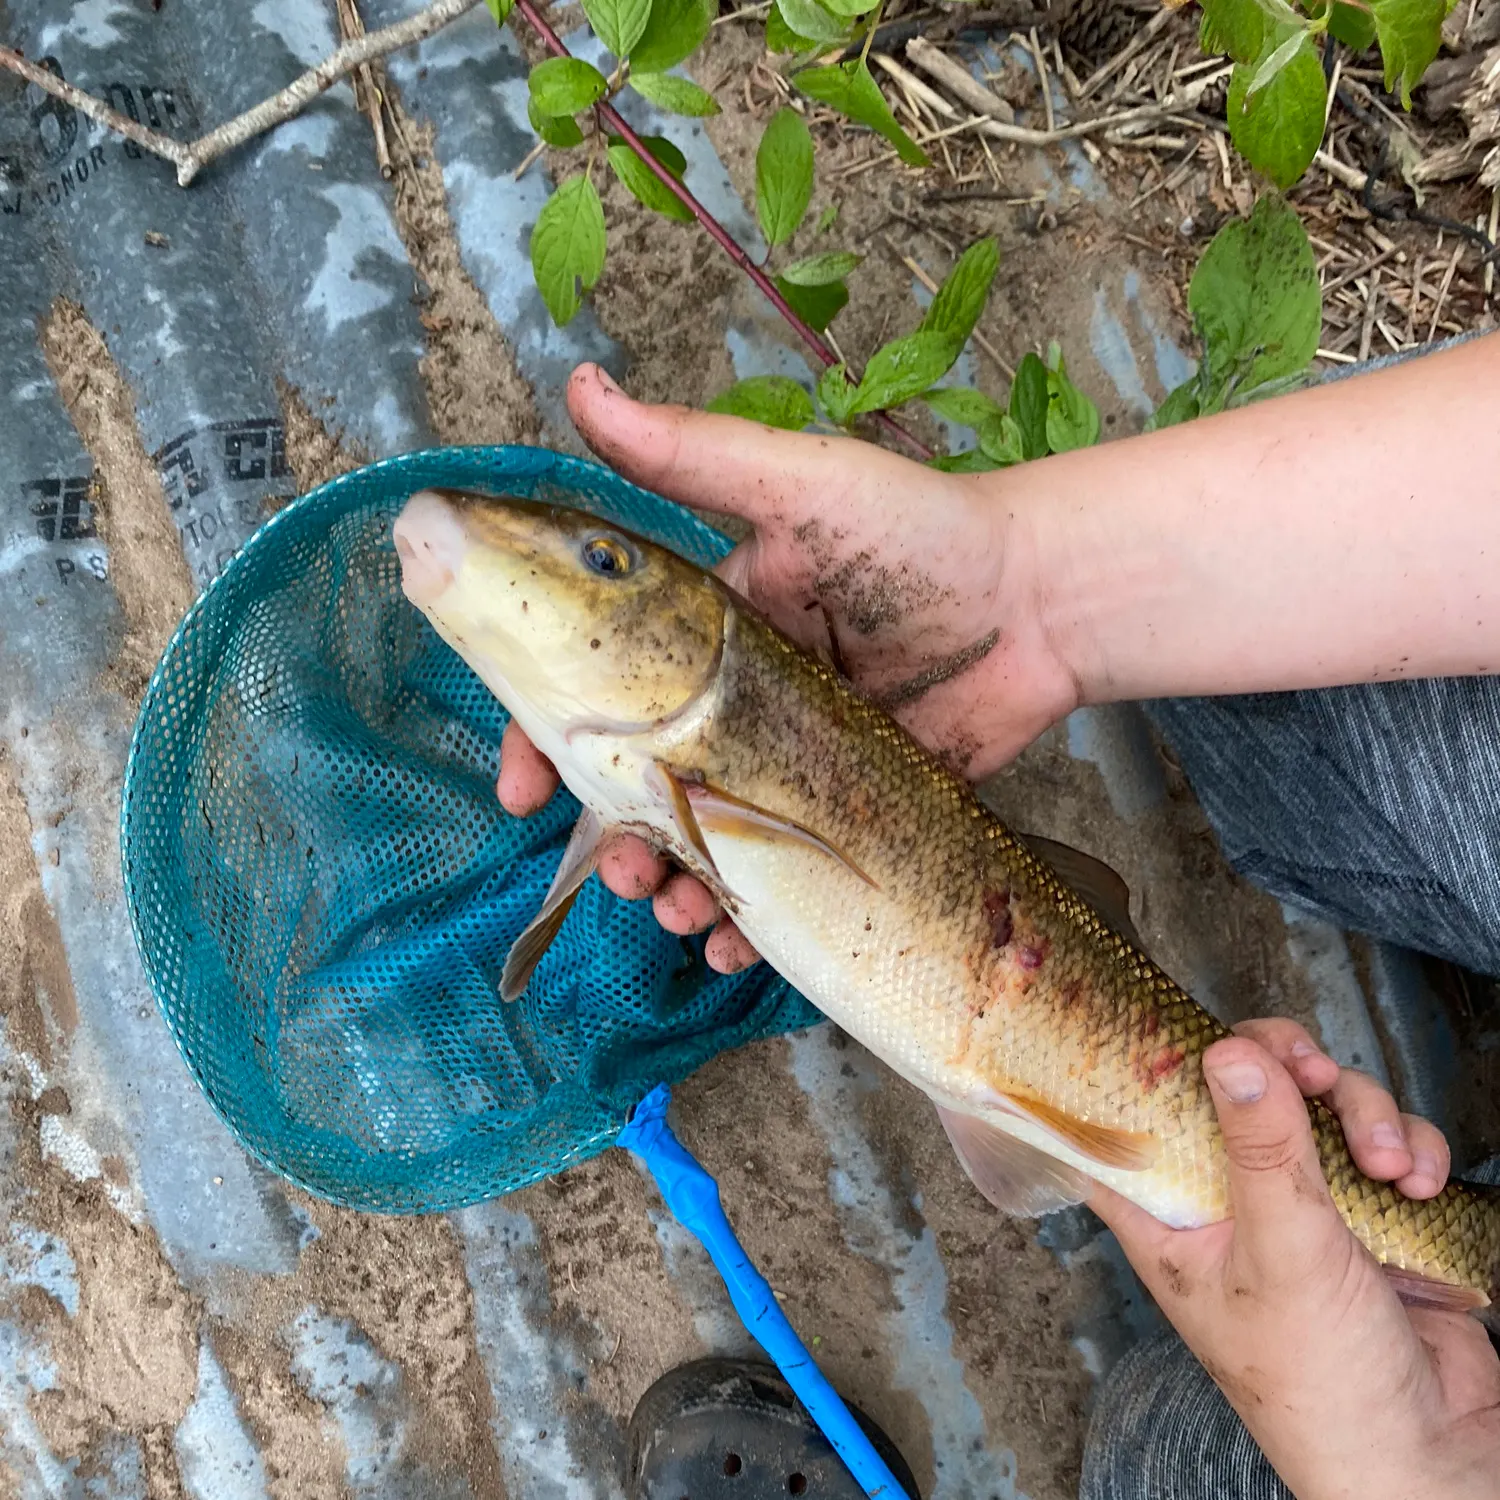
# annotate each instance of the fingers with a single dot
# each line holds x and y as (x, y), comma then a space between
(1283, 1215)
(685, 905)
(1291, 1045)
(527, 779)
(1386, 1144)
(728, 950)
(629, 867)
(716, 463)
(1431, 1159)
(1372, 1125)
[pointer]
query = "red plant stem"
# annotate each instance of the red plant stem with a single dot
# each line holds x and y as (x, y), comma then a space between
(726, 241)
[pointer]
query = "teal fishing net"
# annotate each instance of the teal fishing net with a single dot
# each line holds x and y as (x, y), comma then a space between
(324, 887)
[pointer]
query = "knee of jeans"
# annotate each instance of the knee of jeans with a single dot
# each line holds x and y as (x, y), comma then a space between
(1163, 1431)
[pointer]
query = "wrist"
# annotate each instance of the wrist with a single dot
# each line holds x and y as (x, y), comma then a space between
(1079, 580)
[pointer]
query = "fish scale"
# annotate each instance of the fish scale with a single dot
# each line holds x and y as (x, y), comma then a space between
(875, 881)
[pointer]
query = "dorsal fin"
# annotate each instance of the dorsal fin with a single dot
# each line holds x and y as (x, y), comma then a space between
(1098, 885)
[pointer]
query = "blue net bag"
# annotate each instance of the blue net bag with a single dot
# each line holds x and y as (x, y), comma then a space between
(323, 886)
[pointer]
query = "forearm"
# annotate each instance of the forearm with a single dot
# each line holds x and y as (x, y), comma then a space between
(1349, 533)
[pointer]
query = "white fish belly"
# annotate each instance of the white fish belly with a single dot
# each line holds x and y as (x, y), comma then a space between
(851, 951)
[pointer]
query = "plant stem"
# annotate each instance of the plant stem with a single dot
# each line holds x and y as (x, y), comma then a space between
(864, 52)
(721, 236)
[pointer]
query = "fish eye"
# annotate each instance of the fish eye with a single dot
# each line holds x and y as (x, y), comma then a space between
(607, 555)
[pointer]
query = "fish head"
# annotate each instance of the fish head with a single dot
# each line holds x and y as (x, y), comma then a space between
(575, 624)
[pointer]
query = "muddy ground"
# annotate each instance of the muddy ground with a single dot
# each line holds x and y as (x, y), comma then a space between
(128, 1358)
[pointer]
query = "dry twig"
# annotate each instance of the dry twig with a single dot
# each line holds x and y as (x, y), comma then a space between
(190, 157)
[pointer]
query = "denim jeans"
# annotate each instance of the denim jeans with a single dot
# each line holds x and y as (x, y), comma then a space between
(1378, 808)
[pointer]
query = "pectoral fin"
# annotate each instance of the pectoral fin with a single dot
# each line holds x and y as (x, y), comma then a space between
(1017, 1178)
(1421, 1291)
(578, 862)
(702, 808)
(1101, 887)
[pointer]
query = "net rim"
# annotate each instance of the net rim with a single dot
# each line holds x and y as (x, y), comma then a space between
(498, 463)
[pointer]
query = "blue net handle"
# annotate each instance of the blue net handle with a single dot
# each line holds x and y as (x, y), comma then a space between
(693, 1197)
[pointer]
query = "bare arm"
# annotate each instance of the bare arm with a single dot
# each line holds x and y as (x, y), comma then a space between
(1349, 533)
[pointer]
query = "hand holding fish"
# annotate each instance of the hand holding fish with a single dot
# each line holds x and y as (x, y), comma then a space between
(1269, 548)
(998, 973)
(1347, 1392)
(937, 623)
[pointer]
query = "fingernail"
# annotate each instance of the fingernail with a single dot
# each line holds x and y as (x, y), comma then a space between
(1424, 1165)
(608, 381)
(1306, 1049)
(1242, 1083)
(1389, 1136)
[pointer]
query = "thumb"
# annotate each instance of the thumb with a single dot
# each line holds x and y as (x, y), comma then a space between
(718, 463)
(1283, 1214)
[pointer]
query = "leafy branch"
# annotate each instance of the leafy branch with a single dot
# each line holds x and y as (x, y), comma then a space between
(1278, 92)
(568, 243)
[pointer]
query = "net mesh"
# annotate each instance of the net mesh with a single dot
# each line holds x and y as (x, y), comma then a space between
(324, 887)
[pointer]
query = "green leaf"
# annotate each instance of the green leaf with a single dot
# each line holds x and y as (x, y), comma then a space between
(1255, 302)
(810, 21)
(827, 219)
(1001, 441)
(1279, 128)
(644, 183)
(562, 131)
(781, 38)
(618, 23)
(1029, 399)
(783, 175)
(1409, 32)
(957, 403)
(1353, 27)
(817, 306)
(565, 85)
(1234, 27)
(679, 95)
(836, 394)
(567, 246)
(1275, 60)
(850, 89)
(675, 31)
(905, 368)
(772, 399)
(851, 8)
(1072, 419)
(960, 300)
(820, 270)
(975, 461)
(1180, 406)
(499, 9)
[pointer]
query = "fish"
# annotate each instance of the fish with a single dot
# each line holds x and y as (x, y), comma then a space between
(997, 972)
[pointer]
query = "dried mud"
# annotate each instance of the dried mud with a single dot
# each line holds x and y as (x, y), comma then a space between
(147, 566)
(475, 392)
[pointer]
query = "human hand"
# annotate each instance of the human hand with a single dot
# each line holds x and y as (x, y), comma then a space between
(916, 583)
(1348, 1393)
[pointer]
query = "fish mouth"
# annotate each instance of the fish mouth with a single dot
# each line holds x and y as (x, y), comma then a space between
(430, 541)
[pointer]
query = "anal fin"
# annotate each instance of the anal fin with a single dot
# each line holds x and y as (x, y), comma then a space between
(1017, 1178)
(577, 865)
(1416, 1290)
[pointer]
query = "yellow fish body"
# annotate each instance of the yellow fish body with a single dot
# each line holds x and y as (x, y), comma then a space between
(872, 879)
